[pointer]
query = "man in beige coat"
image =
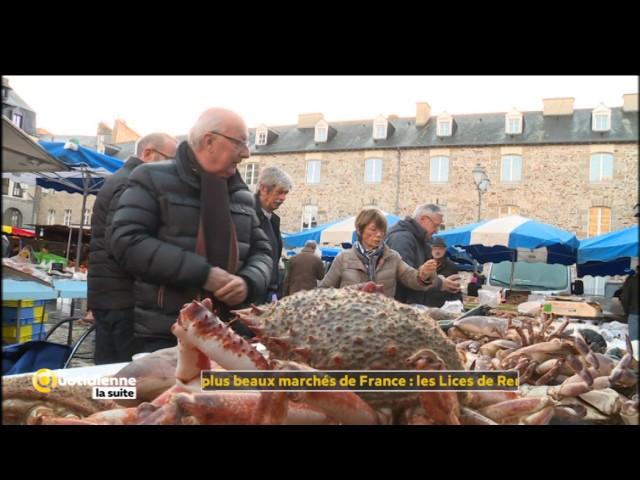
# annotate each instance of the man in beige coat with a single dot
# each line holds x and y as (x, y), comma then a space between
(305, 269)
(371, 260)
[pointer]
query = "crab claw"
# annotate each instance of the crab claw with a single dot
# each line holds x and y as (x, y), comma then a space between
(443, 408)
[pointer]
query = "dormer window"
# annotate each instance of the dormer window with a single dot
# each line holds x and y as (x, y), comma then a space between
(513, 122)
(445, 123)
(322, 132)
(261, 135)
(17, 118)
(265, 135)
(380, 128)
(601, 118)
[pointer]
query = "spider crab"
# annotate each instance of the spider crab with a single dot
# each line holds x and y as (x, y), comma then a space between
(325, 329)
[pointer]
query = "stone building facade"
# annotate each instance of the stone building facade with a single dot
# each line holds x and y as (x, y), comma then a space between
(559, 167)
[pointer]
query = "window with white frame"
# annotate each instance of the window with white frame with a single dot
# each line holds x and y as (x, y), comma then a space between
(513, 122)
(51, 217)
(511, 168)
(17, 119)
(309, 217)
(261, 136)
(601, 167)
(17, 190)
(507, 210)
(373, 170)
(321, 131)
(601, 118)
(67, 217)
(313, 171)
(380, 128)
(439, 171)
(16, 218)
(445, 122)
(251, 173)
(599, 221)
(100, 147)
(87, 217)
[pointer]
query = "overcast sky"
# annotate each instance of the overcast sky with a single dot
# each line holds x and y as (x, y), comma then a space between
(76, 104)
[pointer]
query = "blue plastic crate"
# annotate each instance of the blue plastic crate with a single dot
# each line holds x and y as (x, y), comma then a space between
(10, 315)
(39, 331)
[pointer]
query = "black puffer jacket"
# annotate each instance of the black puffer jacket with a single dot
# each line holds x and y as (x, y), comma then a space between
(154, 234)
(109, 287)
(410, 240)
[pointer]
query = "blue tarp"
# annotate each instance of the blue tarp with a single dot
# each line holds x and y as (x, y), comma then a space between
(32, 356)
(608, 254)
(499, 239)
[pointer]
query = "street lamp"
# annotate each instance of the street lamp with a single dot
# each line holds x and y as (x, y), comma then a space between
(482, 182)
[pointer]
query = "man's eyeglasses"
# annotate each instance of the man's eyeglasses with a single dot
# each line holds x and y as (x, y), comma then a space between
(435, 223)
(164, 155)
(240, 144)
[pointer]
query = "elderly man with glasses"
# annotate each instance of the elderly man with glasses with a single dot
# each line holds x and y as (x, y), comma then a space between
(188, 229)
(411, 238)
(109, 287)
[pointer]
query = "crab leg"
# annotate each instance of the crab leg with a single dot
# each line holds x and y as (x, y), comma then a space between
(514, 408)
(203, 336)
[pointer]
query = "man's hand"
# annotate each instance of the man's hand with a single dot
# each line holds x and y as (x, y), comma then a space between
(451, 283)
(217, 279)
(427, 269)
(234, 292)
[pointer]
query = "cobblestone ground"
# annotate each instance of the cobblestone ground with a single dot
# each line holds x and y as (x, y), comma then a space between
(60, 310)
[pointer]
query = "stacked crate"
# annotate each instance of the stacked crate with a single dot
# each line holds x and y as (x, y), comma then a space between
(23, 320)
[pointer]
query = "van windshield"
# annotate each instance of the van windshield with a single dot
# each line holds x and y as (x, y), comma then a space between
(530, 276)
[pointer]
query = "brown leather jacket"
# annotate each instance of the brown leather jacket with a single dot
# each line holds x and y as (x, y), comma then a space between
(348, 269)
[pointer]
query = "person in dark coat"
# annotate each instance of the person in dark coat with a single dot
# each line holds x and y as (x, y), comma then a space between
(188, 230)
(305, 269)
(273, 186)
(109, 287)
(446, 268)
(411, 239)
(629, 301)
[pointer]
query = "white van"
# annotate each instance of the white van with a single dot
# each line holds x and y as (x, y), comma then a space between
(538, 278)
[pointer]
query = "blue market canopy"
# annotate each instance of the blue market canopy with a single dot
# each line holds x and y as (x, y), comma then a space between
(514, 238)
(91, 168)
(293, 240)
(333, 233)
(85, 170)
(608, 254)
(21, 153)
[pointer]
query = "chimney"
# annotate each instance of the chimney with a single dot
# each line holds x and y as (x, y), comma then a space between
(103, 129)
(309, 120)
(630, 102)
(392, 116)
(423, 112)
(122, 133)
(558, 106)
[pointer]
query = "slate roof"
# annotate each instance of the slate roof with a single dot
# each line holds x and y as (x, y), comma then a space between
(470, 130)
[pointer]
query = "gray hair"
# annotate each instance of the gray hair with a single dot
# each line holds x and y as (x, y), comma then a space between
(201, 127)
(427, 209)
(311, 243)
(272, 177)
(153, 140)
(213, 119)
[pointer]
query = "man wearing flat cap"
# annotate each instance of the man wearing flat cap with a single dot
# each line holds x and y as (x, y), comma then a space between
(446, 268)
